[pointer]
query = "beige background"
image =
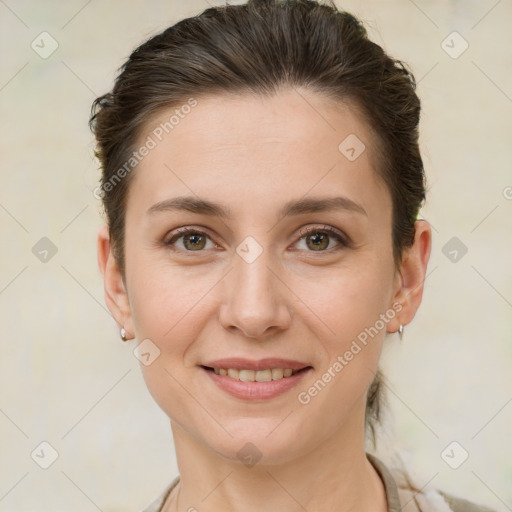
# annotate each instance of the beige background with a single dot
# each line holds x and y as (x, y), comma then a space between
(65, 376)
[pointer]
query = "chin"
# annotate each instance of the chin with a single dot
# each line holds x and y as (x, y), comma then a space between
(258, 442)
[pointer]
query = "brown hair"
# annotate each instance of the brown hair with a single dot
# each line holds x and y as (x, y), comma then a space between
(259, 47)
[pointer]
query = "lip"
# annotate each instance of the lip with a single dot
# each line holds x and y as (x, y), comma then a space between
(256, 391)
(240, 363)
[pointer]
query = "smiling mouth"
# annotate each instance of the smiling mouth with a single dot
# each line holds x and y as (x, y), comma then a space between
(266, 375)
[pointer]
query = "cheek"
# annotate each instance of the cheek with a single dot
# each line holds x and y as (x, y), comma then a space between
(349, 313)
(335, 308)
(352, 311)
(165, 299)
(349, 300)
(167, 310)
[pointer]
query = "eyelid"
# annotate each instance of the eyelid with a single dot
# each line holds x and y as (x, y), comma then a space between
(342, 239)
(324, 229)
(180, 232)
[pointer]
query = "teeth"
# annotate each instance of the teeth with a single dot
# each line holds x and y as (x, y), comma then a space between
(256, 376)
(277, 373)
(244, 375)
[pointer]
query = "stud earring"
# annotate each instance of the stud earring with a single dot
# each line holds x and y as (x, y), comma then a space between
(123, 335)
(401, 332)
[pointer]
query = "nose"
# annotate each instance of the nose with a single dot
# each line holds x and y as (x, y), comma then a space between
(255, 299)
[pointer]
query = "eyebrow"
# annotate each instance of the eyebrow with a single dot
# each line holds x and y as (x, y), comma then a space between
(200, 206)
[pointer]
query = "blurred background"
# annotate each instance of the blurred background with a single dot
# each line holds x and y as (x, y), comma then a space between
(78, 429)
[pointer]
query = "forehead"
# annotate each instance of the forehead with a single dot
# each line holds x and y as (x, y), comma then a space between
(248, 119)
(244, 146)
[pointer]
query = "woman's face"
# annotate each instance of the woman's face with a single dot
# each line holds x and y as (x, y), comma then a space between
(253, 284)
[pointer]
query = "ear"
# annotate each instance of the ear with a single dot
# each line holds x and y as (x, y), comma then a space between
(116, 296)
(411, 276)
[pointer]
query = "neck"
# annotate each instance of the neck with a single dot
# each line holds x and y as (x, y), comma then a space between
(335, 476)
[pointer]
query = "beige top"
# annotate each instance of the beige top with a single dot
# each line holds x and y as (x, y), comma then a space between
(402, 495)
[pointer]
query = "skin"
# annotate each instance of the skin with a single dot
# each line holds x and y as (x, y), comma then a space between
(253, 154)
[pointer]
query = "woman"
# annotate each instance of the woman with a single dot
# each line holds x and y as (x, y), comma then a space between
(262, 182)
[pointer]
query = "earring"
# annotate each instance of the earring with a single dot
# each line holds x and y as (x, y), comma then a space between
(123, 335)
(401, 332)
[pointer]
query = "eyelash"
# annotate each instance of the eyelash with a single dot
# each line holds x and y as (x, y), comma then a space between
(326, 230)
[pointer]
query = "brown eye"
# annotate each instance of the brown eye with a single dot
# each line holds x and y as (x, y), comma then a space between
(318, 240)
(193, 240)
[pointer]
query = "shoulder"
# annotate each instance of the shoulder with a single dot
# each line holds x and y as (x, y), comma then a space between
(406, 491)
(436, 500)
(461, 505)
